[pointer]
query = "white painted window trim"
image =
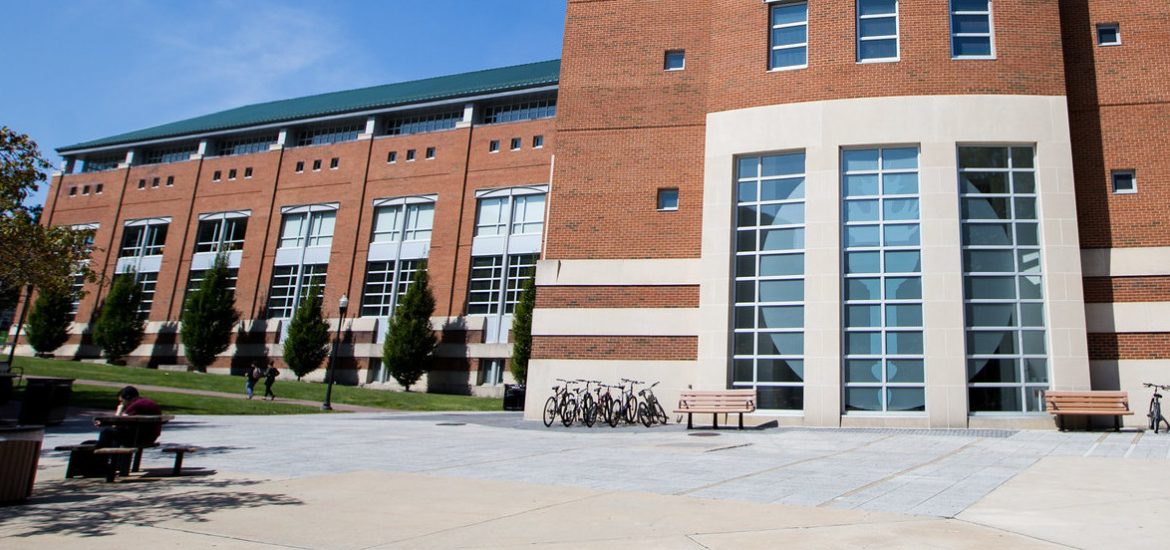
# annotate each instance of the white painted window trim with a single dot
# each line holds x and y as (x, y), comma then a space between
(1097, 31)
(772, 26)
(509, 191)
(414, 199)
(148, 221)
(990, 13)
(225, 215)
(1113, 182)
(897, 36)
(310, 208)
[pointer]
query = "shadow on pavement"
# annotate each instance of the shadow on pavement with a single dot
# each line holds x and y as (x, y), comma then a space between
(92, 508)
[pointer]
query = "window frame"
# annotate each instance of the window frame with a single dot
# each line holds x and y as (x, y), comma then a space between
(897, 36)
(1116, 27)
(679, 54)
(664, 192)
(772, 26)
(990, 13)
(1132, 180)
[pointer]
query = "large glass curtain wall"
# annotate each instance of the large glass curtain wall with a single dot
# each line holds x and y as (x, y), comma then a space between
(883, 325)
(768, 333)
(1007, 366)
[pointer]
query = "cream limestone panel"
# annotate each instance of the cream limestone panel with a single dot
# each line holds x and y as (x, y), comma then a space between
(1128, 317)
(1126, 262)
(1128, 375)
(615, 322)
(938, 124)
(672, 376)
(617, 272)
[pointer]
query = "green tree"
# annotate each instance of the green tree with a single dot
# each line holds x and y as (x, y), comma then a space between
(522, 332)
(46, 257)
(209, 315)
(410, 338)
(119, 326)
(49, 320)
(307, 342)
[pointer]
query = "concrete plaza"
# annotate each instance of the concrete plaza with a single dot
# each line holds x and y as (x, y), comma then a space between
(490, 480)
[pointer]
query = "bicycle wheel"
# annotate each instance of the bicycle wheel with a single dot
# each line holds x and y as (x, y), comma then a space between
(631, 410)
(550, 411)
(569, 411)
(588, 410)
(660, 415)
(644, 415)
(1158, 420)
(1152, 414)
(614, 413)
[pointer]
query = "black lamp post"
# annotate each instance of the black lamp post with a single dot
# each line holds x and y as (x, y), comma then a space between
(342, 305)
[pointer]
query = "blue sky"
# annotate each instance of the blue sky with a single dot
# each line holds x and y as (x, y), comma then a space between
(87, 69)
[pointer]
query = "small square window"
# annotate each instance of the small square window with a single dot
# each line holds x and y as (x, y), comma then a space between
(334, 163)
(537, 142)
(494, 146)
(430, 153)
(300, 166)
(142, 184)
(1124, 181)
(667, 199)
(154, 182)
(217, 175)
(392, 157)
(232, 174)
(317, 165)
(97, 189)
(409, 155)
(515, 144)
(84, 189)
(248, 173)
(675, 60)
(1108, 34)
(170, 181)
(73, 191)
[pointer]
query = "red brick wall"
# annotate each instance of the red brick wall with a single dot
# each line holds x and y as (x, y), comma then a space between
(683, 296)
(631, 348)
(1151, 345)
(1127, 289)
(1120, 120)
(1026, 41)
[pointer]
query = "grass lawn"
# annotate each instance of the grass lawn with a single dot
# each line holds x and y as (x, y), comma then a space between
(106, 398)
(286, 387)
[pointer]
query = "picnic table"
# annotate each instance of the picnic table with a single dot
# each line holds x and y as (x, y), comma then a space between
(143, 430)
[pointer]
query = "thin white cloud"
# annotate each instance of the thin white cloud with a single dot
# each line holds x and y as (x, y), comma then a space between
(241, 53)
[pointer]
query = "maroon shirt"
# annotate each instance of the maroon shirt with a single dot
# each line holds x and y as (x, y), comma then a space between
(142, 406)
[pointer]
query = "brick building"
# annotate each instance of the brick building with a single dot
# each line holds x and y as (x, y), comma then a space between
(872, 212)
(346, 192)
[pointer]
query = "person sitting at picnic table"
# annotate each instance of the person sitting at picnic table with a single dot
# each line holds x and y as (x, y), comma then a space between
(130, 404)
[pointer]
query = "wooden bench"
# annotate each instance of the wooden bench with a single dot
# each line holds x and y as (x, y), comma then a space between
(179, 451)
(716, 402)
(1089, 403)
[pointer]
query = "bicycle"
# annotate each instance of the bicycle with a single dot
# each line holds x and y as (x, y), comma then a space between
(1155, 414)
(556, 403)
(650, 411)
(628, 401)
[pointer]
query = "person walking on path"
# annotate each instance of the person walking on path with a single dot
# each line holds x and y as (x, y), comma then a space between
(252, 376)
(270, 375)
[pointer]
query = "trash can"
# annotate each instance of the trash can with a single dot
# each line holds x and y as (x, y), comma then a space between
(20, 451)
(7, 380)
(45, 400)
(514, 397)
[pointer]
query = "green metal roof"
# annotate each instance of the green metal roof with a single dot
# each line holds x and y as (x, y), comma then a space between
(502, 79)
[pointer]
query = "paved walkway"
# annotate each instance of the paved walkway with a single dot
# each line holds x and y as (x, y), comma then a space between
(479, 480)
(148, 389)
